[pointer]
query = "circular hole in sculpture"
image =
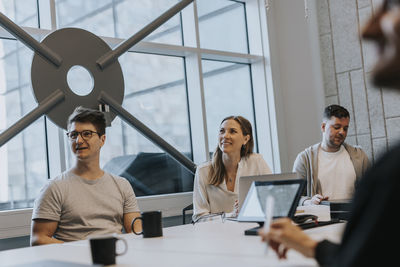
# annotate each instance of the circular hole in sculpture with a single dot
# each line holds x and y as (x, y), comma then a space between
(80, 80)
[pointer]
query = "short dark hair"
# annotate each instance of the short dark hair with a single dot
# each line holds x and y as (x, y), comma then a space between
(336, 111)
(95, 117)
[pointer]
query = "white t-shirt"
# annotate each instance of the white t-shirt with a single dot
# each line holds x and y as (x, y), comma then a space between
(336, 174)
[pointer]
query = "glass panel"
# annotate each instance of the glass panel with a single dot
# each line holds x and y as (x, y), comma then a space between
(94, 16)
(120, 18)
(160, 102)
(23, 165)
(22, 12)
(228, 91)
(15, 62)
(133, 15)
(222, 25)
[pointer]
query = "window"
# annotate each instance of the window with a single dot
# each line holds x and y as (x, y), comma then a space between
(203, 64)
(23, 160)
(214, 16)
(226, 85)
(119, 18)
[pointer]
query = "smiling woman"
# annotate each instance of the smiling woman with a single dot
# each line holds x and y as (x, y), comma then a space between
(215, 186)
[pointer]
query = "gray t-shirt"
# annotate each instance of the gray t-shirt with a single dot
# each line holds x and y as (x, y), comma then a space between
(85, 207)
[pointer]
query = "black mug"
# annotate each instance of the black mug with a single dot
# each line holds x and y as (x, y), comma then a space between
(151, 224)
(103, 249)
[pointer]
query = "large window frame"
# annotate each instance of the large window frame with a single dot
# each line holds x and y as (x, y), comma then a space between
(193, 54)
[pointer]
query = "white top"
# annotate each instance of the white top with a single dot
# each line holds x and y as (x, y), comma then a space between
(336, 174)
(212, 199)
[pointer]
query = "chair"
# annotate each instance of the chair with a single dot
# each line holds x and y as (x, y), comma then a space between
(190, 207)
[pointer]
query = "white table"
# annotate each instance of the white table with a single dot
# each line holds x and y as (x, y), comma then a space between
(204, 244)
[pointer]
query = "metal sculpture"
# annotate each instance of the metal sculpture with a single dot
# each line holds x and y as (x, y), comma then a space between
(68, 47)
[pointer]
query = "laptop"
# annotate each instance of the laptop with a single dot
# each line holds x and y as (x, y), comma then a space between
(285, 192)
(245, 182)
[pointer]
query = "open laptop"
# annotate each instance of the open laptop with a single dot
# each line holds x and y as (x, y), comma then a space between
(245, 182)
(286, 194)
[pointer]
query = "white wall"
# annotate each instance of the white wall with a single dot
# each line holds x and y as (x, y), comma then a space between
(297, 77)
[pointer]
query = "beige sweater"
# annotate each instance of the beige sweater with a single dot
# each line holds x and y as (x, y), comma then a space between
(306, 166)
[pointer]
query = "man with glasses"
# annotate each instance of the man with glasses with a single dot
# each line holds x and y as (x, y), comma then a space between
(83, 201)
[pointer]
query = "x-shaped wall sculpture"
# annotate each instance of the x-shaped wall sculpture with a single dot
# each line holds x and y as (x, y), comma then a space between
(59, 52)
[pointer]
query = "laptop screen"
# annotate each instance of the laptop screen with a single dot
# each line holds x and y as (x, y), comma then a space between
(286, 194)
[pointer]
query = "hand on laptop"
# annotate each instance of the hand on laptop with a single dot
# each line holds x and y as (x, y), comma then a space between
(315, 200)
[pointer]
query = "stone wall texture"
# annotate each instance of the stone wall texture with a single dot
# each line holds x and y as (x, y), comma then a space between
(347, 63)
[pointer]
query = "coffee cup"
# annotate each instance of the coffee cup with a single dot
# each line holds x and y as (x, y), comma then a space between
(104, 250)
(151, 224)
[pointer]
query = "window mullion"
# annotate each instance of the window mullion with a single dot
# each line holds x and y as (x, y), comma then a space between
(194, 77)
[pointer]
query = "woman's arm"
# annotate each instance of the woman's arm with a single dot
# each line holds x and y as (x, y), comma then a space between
(201, 205)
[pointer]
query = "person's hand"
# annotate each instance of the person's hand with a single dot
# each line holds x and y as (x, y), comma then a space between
(236, 208)
(283, 235)
(235, 211)
(315, 200)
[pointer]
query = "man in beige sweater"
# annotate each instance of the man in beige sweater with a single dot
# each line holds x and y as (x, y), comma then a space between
(332, 168)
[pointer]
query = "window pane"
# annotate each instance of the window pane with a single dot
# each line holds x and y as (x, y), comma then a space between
(133, 15)
(120, 19)
(156, 95)
(222, 25)
(228, 91)
(149, 169)
(22, 12)
(15, 62)
(23, 165)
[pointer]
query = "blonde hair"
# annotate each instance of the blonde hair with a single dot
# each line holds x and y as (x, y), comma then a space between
(217, 171)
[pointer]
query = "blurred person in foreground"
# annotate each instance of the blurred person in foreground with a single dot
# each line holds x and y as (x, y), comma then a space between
(372, 231)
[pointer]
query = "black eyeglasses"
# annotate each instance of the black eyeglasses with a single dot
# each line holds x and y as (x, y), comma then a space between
(86, 134)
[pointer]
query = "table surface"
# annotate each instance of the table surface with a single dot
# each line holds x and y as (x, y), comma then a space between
(213, 243)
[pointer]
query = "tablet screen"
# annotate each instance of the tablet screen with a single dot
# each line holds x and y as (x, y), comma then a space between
(285, 193)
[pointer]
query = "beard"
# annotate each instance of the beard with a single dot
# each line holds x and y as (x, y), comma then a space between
(335, 143)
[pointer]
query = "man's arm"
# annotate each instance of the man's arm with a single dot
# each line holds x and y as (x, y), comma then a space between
(42, 232)
(301, 167)
(128, 218)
